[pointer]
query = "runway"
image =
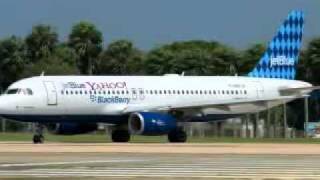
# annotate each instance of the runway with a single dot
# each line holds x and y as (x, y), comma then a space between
(58, 160)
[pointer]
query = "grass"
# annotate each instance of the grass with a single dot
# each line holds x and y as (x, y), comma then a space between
(102, 138)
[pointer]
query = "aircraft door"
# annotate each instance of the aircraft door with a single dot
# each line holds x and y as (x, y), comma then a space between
(259, 89)
(51, 92)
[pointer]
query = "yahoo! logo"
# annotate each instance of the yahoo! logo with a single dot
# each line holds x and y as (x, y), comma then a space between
(106, 85)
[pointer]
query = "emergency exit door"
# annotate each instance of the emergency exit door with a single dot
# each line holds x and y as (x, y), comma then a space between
(51, 92)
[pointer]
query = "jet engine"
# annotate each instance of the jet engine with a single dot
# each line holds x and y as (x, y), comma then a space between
(151, 124)
(71, 128)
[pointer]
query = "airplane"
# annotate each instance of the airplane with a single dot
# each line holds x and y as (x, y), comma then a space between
(158, 105)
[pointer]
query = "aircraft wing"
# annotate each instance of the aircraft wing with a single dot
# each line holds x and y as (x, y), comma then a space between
(222, 104)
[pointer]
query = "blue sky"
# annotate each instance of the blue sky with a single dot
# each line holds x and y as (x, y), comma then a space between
(150, 23)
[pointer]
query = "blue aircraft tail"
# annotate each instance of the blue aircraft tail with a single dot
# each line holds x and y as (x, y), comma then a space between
(281, 57)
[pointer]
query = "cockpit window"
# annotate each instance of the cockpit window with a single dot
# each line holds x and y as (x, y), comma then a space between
(27, 91)
(12, 91)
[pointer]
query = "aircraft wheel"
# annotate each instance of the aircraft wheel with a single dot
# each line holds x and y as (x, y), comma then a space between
(177, 136)
(120, 136)
(38, 139)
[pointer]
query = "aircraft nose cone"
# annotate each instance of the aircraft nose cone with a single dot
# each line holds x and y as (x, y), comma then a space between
(5, 106)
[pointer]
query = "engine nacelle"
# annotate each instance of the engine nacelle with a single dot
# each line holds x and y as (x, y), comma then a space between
(151, 124)
(71, 128)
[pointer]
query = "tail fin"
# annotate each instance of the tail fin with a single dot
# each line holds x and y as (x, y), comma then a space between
(281, 58)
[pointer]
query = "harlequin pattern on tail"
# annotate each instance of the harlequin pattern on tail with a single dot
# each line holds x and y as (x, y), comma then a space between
(281, 58)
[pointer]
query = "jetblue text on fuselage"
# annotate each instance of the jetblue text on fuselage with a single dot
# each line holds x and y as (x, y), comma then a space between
(73, 85)
(281, 61)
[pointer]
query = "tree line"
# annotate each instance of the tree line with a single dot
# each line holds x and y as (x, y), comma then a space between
(83, 52)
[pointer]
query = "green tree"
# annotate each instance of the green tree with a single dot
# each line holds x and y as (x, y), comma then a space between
(86, 40)
(41, 42)
(250, 57)
(62, 61)
(309, 64)
(191, 57)
(12, 60)
(121, 57)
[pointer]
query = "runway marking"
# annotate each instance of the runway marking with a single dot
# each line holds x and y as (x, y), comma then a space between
(66, 163)
(173, 167)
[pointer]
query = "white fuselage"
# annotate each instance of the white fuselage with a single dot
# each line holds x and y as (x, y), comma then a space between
(118, 95)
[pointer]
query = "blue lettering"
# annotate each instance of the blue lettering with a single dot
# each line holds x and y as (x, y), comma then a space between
(109, 100)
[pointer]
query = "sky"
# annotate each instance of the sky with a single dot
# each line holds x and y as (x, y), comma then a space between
(150, 23)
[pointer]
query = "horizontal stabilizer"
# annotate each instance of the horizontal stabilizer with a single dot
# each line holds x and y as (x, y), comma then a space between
(297, 91)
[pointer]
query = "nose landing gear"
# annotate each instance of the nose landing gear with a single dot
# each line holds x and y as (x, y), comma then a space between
(38, 137)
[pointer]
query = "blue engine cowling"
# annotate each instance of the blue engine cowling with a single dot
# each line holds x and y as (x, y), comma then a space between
(71, 128)
(151, 124)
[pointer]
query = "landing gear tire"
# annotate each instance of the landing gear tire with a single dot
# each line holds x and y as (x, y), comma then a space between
(177, 136)
(120, 136)
(38, 139)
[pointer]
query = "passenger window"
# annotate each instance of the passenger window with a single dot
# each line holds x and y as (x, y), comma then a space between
(62, 92)
(67, 92)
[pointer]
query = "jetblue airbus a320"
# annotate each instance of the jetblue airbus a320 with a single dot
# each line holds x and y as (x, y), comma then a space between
(158, 105)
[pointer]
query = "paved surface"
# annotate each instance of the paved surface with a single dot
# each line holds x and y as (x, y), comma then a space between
(71, 161)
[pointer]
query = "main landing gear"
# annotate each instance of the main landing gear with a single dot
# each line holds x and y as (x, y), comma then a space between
(177, 136)
(38, 137)
(119, 135)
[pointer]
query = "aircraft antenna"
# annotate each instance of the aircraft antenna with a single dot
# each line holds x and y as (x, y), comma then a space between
(42, 73)
(182, 74)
